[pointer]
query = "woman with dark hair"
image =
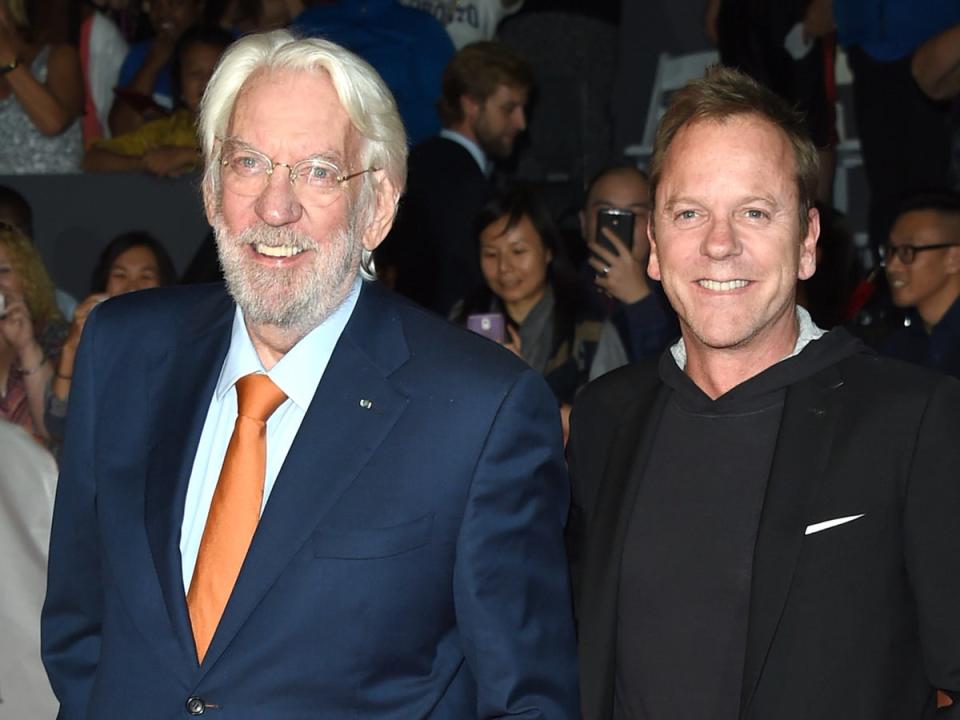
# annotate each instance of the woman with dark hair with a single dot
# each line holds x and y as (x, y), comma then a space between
(529, 279)
(131, 261)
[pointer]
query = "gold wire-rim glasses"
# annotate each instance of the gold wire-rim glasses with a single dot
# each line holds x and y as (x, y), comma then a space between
(233, 150)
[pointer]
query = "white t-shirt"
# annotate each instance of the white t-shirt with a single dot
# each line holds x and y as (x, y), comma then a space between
(107, 51)
(467, 21)
(28, 481)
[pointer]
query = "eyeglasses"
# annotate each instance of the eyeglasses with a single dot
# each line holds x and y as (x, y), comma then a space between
(907, 253)
(247, 172)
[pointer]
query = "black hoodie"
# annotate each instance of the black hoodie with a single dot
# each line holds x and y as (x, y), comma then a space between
(687, 561)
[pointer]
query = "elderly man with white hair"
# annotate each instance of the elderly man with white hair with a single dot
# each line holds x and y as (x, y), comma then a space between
(305, 498)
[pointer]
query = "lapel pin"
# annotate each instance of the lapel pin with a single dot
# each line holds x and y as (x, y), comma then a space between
(366, 404)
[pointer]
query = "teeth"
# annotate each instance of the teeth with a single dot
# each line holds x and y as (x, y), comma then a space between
(898, 283)
(722, 286)
(276, 250)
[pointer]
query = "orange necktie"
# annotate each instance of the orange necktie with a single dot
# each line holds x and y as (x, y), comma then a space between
(234, 510)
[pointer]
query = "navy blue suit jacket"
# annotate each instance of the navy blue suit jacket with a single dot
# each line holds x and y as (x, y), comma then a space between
(409, 563)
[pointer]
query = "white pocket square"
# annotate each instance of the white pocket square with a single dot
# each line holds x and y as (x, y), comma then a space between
(827, 524)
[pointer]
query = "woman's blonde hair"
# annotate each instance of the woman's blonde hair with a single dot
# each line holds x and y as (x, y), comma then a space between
(38, 292)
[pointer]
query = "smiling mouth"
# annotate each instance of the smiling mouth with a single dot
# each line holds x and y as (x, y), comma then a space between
(896, 283)
(277, 251)
(722, 285)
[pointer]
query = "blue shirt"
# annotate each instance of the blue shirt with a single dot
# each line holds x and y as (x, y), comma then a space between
(892, 29)
(408, 47)
(298, 374)
(938, 349)
(162, 86)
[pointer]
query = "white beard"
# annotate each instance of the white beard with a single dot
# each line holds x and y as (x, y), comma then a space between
(298, 298)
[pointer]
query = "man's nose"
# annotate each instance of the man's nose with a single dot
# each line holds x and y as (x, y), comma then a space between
(721, 239)
(278, 205)
(520, 119)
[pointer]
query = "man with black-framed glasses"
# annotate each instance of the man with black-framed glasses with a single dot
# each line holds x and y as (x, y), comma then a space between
(922, 261)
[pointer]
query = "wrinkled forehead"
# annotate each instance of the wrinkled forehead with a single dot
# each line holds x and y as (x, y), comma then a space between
(283, 110)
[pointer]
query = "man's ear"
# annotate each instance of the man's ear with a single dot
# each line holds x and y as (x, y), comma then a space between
(808, 246)
(653, 264)
(470, 107)
(952, 261)
(381, 220)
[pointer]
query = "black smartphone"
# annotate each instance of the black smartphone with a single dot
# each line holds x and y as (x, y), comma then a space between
(620, 223)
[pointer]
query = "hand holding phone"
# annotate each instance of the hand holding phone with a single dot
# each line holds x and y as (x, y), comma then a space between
(619, 273)
(620, 223)
(490, 325)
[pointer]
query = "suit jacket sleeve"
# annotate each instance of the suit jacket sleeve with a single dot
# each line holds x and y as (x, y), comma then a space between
(583, 424)
(598, 414)
(511, 588)
(932, 535)
(70, 624)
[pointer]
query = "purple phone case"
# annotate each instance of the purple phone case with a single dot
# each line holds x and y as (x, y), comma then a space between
(489, 325)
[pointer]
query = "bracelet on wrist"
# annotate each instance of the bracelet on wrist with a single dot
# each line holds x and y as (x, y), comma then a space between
(36, 368)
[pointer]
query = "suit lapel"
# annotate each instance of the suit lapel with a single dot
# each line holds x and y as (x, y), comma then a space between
(335, 441)
(806, 435)
(180, 386)
(608, 523)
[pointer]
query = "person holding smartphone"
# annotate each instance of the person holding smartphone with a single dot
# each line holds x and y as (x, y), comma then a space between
(531, 282)
(31, 332)
(131, 261)
(641, 323)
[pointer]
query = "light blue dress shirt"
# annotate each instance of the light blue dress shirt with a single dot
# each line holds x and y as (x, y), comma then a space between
(297, 373)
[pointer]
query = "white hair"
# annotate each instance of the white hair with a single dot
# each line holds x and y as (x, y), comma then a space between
(363, 94)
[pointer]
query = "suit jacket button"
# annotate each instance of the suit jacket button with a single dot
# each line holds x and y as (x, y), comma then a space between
(195, 705)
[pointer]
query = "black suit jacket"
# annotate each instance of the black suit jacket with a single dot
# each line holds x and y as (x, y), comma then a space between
(433, 244)
(856, 622)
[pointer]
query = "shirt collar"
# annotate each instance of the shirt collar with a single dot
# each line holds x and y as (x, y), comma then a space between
(950, 322)
(299, 371)
(486, 167)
